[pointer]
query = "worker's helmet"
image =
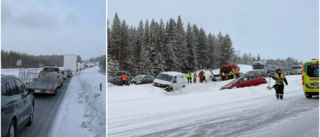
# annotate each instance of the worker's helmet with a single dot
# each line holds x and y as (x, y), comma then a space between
(278, 70)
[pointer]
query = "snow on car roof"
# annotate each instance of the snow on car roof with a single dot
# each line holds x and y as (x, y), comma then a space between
(173, 73)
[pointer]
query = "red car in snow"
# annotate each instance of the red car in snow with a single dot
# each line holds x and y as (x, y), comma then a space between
(245, 81)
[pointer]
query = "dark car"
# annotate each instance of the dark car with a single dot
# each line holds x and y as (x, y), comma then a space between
(249, 73)
(110, 78)
(118, 80)
(17, 105)
(245, 81)
(142, 79)
(69, 73)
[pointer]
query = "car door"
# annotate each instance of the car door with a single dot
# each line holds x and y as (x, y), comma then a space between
(175, 85)
(26, 100)
(244, 82)
(7, 108)
(16, 100)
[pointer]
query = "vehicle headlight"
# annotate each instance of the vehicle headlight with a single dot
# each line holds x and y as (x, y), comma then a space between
(138, 81)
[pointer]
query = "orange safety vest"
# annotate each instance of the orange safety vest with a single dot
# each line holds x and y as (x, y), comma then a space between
(124, 77)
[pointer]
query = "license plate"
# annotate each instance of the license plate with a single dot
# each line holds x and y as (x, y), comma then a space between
(37, 91)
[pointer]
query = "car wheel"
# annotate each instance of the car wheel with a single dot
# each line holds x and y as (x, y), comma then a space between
(12, 129)
(31, 116)
(308, 96)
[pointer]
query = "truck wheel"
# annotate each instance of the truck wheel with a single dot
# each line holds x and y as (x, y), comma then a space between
(54, 92)
(12, 129)
(308, 96)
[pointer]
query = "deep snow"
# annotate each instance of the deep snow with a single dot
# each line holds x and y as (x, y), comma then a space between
(83, 110)
(201, 109)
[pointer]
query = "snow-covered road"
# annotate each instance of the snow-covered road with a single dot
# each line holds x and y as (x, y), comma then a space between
(204, 110)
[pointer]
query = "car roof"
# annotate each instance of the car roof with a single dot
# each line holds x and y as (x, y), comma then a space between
(173, 73)
(4, 78)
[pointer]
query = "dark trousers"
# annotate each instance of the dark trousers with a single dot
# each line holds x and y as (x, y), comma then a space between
(223, 77)
(279, 91)
(123, 82)
(189, 80)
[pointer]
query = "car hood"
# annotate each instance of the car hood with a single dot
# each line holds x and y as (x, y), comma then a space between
(161, 81)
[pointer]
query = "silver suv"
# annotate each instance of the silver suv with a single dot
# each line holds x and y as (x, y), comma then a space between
(17, 105)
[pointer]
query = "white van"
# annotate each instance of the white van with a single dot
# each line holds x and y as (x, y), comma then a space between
(170, 81)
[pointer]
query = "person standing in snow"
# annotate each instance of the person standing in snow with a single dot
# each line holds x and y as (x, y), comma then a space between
(194, 77)
(230, 75)
(204, 76)
(123, 78)
(200, 76)
(189, 77)
(279, 86)
(223, 76)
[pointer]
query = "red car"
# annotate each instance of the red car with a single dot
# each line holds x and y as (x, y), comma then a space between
(245, 81)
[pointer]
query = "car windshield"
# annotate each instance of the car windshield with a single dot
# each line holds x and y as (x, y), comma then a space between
(297, 67)
(165, 77)
(138, 77)
(249, 72)
(258, 66)
(234, 81)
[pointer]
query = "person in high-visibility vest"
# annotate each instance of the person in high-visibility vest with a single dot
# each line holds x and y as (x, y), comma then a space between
(204, 76)
(230, 75)
(195, 77)
(189, 77)
(279, 86)
(124, 79)
(223, 76)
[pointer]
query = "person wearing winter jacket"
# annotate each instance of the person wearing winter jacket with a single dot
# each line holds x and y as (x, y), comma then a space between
(204, 76)
(194, 77)
(200, 76)
(279, 86)
(189, 77)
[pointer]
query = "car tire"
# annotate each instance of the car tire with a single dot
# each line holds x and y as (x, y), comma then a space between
(12, 129)
(31, 116)
(308, 96)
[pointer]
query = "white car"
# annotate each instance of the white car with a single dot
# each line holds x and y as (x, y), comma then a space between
(170, 81)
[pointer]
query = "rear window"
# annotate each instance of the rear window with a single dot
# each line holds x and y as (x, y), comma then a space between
(313, 70)
(51, 69)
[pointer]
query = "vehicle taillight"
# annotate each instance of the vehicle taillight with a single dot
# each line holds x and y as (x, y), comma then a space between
(58, 76)
(302, 68)
(39, 75)
(302, 80)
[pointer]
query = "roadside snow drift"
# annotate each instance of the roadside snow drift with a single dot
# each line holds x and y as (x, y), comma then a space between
(83, 110)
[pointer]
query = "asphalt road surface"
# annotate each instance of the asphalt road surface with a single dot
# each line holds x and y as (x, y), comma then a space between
(45, 109)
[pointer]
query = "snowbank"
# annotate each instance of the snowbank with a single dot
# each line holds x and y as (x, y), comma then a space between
(83, 110)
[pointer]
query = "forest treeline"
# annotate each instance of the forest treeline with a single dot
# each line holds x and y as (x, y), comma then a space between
(153, 47)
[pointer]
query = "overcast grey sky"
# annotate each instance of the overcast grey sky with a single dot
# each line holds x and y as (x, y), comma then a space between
(54, 27)
(272, 28)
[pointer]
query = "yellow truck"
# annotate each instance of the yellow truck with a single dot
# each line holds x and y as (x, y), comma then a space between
(310, 78)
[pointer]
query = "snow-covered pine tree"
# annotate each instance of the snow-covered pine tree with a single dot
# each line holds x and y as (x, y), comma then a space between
(203, 58)
(192, 59)
(138, 49)
(181, 47)
(195, 31)
(170, 46)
